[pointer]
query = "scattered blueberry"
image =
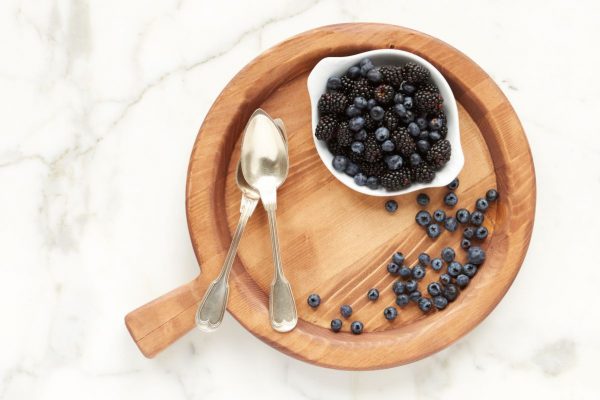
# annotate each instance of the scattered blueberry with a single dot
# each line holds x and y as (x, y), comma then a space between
(353, 72)
(469, 232)
(434, 289)
(465, 244)
(463, 216)
(402, 300)
(491, 195)
(425, 304)
(334, 83)
(398, 287)
(469, 270)
(360, 179)
(477, 218)
(454, 268)
(414, 296)
(411, 286)
(361, 135)
(408, 103)
(462, 280)
(424, 259)
(415, 160)
(398, 98)
(418, 272)
(423, 218)
(482, 205)
(377, 113)
(398, 258)
(352, 169)
(371, 103)
(433, 231)
(390, 313)
(448, 254)
(454, 184)
(451, 199)
(373, 294)
(336, 325)
(346, 311)
(357, 147)
(476, 255)
(435, 124)
(391, 206)
(373, 182)
(389, 146)
(404, 272)
(445, 279)
(360, 102)
(374, 75)
(339, 163)
(393, 268)
(356, 327)
(423, 146)
(413, 129)
(400, 110)
(382, 133)
(352, 111)
(440, 302)
(422, 199)
(437, 264)
(481, 232)
(451, 224)
(439, 215)
(450, 292)
(356, 124)
(314, 300)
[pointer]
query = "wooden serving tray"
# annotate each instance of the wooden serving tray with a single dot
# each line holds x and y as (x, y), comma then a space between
(337, 242)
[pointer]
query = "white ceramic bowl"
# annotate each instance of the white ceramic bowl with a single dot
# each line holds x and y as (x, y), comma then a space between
(337, 66)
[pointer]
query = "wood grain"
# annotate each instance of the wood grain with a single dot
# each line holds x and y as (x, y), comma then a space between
(336, 242)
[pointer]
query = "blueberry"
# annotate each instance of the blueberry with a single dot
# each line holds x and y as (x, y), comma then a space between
(454, 268)
(425, 304)
(360, 135)
(433, 231)
(413, 129)
(408, 117)
(391, 206)
(393, 162)
(423, 146)
(399, 98)
(352, 169)
(437, 264)
(364, 69)
(440, 302)
(469, 270)
(402, 300)
(423, 218)
(424, 135)
(481, 232)
(435, 124)
(377, 113)
(352, 111)
(450, 292)
(445, 279)
(451, 199)
(477, 218)
(346, 311)
(373, 182)
(339, 163)
(398, 258)
(334, 83)
(404, 272)
(408, 103)
(421, 123)
(469, 232)
(414, 296)
(465, 244)
(491, 195)
(415, 160)
(336, 325)
(388, 145)
(448, 254)
(360, 179)
(476, 255)
(390, 313)
(371, 103)
(482, 205)
(407, 87)
(357, 147)
(393, 268)
(462, 280)
(454, 184)
(374, 75)
(398, 287)
(439, 215)
(356, 124)
(400, 110)
(451, 224)
(360, 102)
(373, 294)
(463, 216)
(314, 300)
(434, 289)
(424, 259)
(353, 72)
(365, 61)
(356, 327)
(434, 136)
(418, 272)
(422, 199)
(411, 286)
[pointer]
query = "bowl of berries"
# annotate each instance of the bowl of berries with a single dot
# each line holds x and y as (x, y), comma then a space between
(385, 122)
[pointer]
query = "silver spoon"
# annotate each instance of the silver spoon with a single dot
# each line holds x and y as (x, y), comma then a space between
(265, 164)
(212, 307)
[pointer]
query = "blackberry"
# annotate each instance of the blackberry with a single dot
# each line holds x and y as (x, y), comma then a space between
(439, 154)
(347, 85)
(333, 103)
(377, 168)
(396, 180)
(361, 88)
(392, 75)
(383, 94)
(405, 145)
(326, 127)
(372, 150)
(344, 135)
(443, 131)
(428, 102)
(370, 123)
(335, 148)
(414, 73)
(390, 120)
(429, 87)
(423, 173)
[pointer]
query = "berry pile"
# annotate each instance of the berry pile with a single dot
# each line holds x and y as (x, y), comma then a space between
(384, 125)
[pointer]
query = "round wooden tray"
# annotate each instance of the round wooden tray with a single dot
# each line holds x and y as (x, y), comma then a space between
(337, 242)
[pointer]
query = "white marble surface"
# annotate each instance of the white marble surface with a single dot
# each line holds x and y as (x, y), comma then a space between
(100, 104)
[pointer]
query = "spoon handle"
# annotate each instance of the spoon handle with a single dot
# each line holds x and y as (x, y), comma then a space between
(282, 307)
(212, 307)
